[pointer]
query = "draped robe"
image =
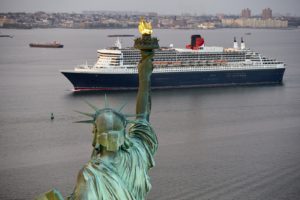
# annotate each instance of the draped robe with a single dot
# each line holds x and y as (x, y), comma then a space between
(124, 176)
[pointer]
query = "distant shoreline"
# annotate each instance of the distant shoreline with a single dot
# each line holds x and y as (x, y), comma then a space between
(106, 28)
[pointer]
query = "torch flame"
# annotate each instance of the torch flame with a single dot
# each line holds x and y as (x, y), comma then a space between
(145, 28)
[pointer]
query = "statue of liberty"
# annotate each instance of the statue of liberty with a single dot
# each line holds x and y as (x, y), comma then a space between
(121, 157)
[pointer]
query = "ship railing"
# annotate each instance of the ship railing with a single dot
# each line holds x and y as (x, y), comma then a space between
(176, 70)
(84, 66)
(232, 66)
(187, 69)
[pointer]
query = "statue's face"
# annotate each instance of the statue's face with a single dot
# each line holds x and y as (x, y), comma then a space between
(109, 132)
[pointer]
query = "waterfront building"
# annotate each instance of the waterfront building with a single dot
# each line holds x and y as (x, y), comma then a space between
(246, 13)
(266, 14)
(254, 23)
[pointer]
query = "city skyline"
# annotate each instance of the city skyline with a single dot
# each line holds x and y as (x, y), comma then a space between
(198, 7)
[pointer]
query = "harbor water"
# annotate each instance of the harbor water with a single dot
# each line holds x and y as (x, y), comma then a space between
(219, 143)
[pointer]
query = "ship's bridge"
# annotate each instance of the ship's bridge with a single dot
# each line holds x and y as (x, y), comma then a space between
(109, 58)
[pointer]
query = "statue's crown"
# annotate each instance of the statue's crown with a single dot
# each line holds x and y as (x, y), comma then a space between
(99, 111)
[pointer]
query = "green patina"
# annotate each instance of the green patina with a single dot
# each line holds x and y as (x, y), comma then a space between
(120, 160)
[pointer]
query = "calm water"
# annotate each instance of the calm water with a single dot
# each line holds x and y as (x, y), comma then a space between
(215, 143)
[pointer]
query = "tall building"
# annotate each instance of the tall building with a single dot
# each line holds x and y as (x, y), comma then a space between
(246, 13)
(266, 13)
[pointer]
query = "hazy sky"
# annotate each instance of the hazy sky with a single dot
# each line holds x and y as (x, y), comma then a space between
(160, 6)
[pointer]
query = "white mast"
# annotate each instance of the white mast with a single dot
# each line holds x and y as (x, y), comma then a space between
(118, 43)
(235, 44)
(243, 45)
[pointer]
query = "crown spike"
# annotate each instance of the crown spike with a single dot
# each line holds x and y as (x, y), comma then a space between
(92, 106)
(86, 114)
(85, 121)
(106, 101)
(122, 106)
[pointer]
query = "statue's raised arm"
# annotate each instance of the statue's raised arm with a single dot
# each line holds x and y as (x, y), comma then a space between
(121, 158)
(146, 44)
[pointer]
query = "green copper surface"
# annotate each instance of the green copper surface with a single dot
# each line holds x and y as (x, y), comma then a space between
(121, 156)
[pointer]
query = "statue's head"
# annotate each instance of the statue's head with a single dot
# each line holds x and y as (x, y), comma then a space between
(109, 130)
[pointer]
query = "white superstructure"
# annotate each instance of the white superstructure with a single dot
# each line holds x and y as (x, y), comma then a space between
(169, 59)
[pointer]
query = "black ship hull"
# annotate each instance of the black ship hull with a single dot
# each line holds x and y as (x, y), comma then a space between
(46, 45)
(123, 81)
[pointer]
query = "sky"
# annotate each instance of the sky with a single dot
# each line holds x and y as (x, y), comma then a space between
(199, 7)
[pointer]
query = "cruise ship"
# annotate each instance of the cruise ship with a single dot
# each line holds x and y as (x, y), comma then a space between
(196, 65)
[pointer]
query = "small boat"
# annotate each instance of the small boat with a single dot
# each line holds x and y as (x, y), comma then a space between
(10, 36)
(248, 33)
(47, 45)
(4, 35)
